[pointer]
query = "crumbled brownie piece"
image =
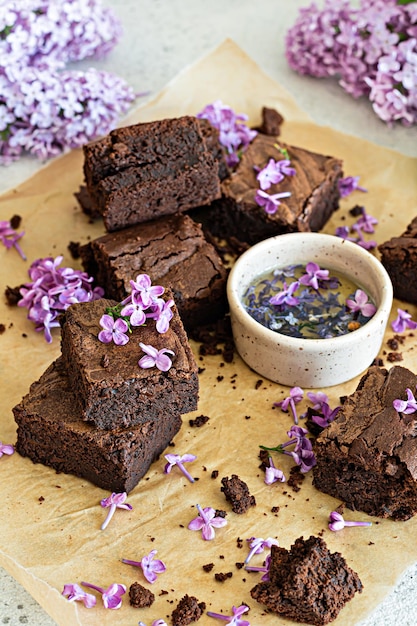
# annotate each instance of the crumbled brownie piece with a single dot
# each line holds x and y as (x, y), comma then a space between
(2, 329)
(307, 583)
(13, 295)
(271, 122)
(296, 478)
(237, 493)
(208, 567)
(392, 357)
(221, 577)
(198, 421)
(15, 221)
(140, 597)
(74, 249)
(189, 610)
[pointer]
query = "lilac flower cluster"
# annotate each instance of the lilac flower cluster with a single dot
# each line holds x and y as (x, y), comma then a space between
(356, 232)
(9, 237)
(234, 134)
(51, 290)
(45, 109)
(302, 452)
(371, 48)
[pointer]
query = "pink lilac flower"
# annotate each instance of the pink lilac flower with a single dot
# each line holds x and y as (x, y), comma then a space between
(150, 566)
(406, 406)
(295, 396)
(360, 303)
(155, 358)
(162, 313)
(302, 453)
(115, 501)
(286, 295)
(206, 521)
(146, 293)
(9, 237)
(313, 274)
(264, 569)
(348, 185)
(134, 310)
(258, 545)
(74, 593)
(6, 448)
(112, 596)
(274, 172)
(403, 321)
(233, 619)
(270, 202)
(317, 398)
(337, 522)
(176, 459)
(234, 134)
(327, 415)
(273, 474)
(113, 330)
(365, 222)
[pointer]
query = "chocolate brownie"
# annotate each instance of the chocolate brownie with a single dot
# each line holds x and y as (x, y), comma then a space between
(174, 253)
(314, 194)
(399, 257)
(307, 583)
(50, 431)
(271, 122)
(237, 493)
(141, 172)
(367, 456)
(140, 597)
(111, 390)
(188, 611)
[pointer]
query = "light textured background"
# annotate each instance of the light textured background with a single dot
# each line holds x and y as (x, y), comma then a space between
(162, 37)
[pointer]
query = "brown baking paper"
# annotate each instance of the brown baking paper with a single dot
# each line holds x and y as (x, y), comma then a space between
(50, 523)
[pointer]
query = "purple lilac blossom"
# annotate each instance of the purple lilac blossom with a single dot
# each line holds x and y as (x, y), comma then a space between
(113, 502)
(234, 134)
(233, 620)
(206, 521)
(112, 596)
(270, 202)
(176, 459)
(327, 415)
(113, 330)
(286, 295)
(6, 448)
(258, 545)
(360, 303)
(74, 593)
(9, 237)
(348, 185)
(406, 406)
(313, 274)
(337, 522)
(273, 474)
(403, 321)
(52, 290)
(295, 396)
(155, 358)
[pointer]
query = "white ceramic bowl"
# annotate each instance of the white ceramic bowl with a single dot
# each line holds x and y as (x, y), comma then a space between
(302, 362)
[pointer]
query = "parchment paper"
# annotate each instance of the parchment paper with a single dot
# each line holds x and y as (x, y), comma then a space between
(50, 523)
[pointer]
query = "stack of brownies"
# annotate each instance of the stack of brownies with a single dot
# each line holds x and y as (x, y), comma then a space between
(95, 413)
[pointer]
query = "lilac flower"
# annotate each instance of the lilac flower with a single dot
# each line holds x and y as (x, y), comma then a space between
(403, 321)
(6, 448)
(258, 545)
(286, 295)
(296, 395)
(145, 293)
(406, 406)
(74, 593)
(206, 521)
(338, 523)
(134, 309)
(271, 174)
(150, 566)
(273, 474)
(157, 622)
(265, 569)
(233, 619)
(155, 358)
(163, 314)
(234, 134)
(348, 185)
(115, 501)
(9, 237)
(113, 330)
(361, 304)
(176, 459)
(302, 454)
(313, 275)
(112, 596)
(52, 290)
(365, 222)
(317, 398)
(328, 415)
(270, 202)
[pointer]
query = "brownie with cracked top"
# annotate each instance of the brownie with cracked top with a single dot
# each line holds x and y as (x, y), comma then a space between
(399, 257)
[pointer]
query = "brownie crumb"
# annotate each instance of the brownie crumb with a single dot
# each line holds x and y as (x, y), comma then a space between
(393, 343)
(220, 513)
(237, 493)
(240, 565)
(2, 329)
(258, 383)
(275, 509)
(140, 597)
(221, 577)
(189, 610)
(15, 221)
(200, 420)
(392, 357)
(13, 295)
(378, 362)
(214, 473)
(296, 478)
(74, 249)
(356, 211)
(208, 567)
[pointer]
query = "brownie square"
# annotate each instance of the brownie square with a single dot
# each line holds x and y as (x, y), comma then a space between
(367, 457)
(111, 390)
(174, 253)
(399, 257)
(307, 583)
(50, 431)
(314, 194)
(142, 172)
